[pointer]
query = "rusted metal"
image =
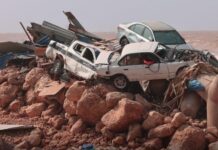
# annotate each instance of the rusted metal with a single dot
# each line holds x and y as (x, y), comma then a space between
(26, 32)
(73, 20)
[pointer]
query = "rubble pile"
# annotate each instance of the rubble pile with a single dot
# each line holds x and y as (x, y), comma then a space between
(76, 113)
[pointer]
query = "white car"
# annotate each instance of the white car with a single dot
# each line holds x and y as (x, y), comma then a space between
(138, 62)
(79, 58)
(151, 31)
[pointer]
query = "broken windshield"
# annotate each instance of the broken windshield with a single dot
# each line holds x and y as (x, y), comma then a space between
(113, 57)
(168, 37)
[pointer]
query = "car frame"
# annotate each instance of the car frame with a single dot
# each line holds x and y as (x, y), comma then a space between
(125, 69)
(156, 31)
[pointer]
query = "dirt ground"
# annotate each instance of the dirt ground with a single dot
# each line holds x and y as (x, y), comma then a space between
(62, 139)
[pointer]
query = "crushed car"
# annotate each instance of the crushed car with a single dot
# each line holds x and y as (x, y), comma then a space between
(151, 31)
(88, 61)
(79, 58)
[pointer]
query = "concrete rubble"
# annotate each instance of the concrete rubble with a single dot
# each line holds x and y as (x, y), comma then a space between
(67, 115)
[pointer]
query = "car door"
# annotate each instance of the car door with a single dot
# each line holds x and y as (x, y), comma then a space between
(135, 35)
(154, 68)
(86, 67)
(147, 34)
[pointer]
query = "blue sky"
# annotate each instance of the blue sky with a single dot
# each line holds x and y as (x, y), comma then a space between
(105, 15)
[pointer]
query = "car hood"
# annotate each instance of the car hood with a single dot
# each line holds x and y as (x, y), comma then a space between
(103, 57)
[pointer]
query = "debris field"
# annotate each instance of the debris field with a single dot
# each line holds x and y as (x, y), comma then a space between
(41, 111)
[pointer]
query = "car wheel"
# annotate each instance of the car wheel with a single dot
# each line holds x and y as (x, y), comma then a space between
(120, 82)
(124, 41)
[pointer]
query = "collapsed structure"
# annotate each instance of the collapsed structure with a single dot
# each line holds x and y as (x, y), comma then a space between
(69, 112)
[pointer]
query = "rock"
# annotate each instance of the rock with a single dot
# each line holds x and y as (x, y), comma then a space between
(210, 138)
(118, 141)
(35, 110)
(102, 89)
(112, 98)
(132, 144)
(213, 146)
(91, 108)
(57, 121)
(34, 139)
(99, 126)
(15, 105)
(78, 127)
(125, 113)
(69, 107)
(22, 145)
(178, 119)
(144, 102)
(5, 146)
(75, 91)
(36, 148)
(30, 96)
(188, 138)
(161, 131)
(213, 131)
(154, 119)
(8, 93)
(53, 109)
(135, 131)
(107, 133)
(32, 77)
(153, 144)
(167, 119)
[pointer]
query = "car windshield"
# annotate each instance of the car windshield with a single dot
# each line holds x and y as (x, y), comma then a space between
(113, 57)
(168, 37)
(97, 52)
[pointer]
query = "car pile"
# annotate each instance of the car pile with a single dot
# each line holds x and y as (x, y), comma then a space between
(142, 90)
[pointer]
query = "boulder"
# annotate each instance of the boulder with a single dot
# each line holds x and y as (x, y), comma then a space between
(8, 93)
(15, 105)
(112, 98)
(34, 139)
(57, 121)
(153, 144)
(30, 96)
(161, 131)
(188, 138)
(178, 119)
(213, 146)
(70, 107)
(32, 77)
(125, 113)
(91, 107)
(154, 119)
(53, 109)
(213, 131)
(119, 140)
(77, 127)
(135, 131)
(35, 110)
(143, 101)
(75, 91)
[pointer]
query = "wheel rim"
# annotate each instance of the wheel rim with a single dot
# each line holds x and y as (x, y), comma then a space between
(120, 82)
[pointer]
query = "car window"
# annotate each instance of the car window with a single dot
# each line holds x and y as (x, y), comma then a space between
(139, 59)
(139, 29)
(168, 37)
(132, 27)
(148, 35)
(88, 55)
(79, 48)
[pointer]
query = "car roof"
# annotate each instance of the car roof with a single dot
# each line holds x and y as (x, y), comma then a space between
(139, 48)
(158, 26)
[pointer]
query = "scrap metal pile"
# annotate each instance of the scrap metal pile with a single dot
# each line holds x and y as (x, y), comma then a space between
(71, 113)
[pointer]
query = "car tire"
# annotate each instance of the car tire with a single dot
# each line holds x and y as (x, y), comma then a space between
(120, 82)
(124, 41)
